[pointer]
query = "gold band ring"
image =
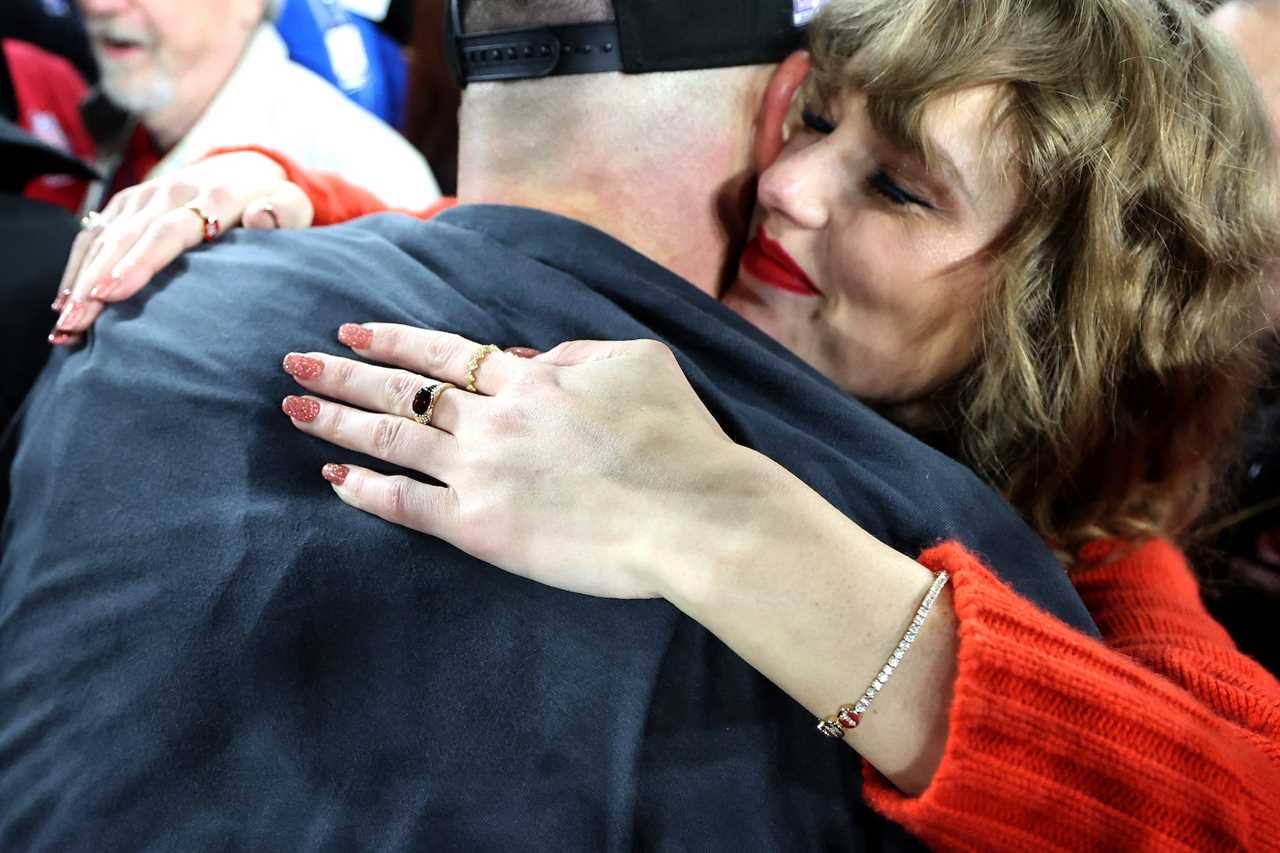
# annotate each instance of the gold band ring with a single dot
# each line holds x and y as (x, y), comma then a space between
(210, 228)
(477, 357)
(424, 404)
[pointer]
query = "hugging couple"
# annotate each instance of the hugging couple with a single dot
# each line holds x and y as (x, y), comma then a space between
(769, 311)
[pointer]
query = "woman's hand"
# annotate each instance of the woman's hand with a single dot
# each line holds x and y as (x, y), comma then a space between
(146, 227)
(595, 468)
(592, 467)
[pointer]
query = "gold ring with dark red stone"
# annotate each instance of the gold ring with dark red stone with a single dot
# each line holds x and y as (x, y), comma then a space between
(211, 228)
(424, 402)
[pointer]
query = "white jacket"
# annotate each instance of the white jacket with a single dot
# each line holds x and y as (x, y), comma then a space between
(270, 100)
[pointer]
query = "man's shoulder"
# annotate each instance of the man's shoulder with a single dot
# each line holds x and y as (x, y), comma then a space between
(382, 268)
(311, 253)
(474, 240)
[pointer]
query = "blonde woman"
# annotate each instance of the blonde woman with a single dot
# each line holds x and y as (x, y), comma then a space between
(1031, 232)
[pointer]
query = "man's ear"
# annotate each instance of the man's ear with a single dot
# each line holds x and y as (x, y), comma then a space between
(771, 118)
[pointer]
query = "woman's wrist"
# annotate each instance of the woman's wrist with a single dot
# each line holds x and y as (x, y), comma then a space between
(818, 606)
(758, 514)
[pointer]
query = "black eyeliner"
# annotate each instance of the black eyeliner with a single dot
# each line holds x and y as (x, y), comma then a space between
(816, 123)
(886, 186)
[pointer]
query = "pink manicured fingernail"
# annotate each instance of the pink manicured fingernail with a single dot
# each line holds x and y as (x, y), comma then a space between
(63, 296)
(355, 336)
(301, 408)
(59, 338)
(70, 316)
(523, 352)
(336, 474)
(302, 367)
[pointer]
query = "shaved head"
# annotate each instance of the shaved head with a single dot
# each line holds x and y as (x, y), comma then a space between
(480, 16)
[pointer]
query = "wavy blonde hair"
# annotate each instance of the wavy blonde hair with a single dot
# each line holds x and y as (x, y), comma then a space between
(1121, 335)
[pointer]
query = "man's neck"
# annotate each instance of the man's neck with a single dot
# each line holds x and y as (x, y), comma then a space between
(686, 209)
(683, 225)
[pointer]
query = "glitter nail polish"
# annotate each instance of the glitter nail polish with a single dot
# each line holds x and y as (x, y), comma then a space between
(70, 316)
(355, 336)
(302, 367)
(336, 474)
(301, 408)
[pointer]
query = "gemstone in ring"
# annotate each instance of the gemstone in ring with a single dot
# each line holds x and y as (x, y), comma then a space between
(424, 402)
(211, 229)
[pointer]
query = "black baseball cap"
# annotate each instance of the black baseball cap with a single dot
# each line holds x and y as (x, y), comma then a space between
(647, 36)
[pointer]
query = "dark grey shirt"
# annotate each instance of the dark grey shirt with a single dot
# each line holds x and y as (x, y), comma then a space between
(201, 648)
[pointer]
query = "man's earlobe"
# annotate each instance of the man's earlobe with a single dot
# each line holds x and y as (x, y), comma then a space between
(771, 119)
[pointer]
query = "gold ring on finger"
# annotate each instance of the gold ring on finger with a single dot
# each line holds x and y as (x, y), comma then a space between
(424, 402)
(210, 228)
(477, 357)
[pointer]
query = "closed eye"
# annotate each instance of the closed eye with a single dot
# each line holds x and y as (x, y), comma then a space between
(887, 187)
(816, 122)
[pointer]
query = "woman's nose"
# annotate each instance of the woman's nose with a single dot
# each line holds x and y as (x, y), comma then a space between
(799, 185)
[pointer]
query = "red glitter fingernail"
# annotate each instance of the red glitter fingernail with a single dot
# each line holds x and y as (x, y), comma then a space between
(523, 352)
(302, 367)
(355, 336)
(336, 474)
(301, 408)
(70, 316)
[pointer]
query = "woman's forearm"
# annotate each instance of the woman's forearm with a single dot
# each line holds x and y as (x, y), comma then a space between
(1052, 740)
(817, 605)
(1046, 720)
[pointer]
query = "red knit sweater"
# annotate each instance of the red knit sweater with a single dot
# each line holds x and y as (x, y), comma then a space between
(1164, 738)
(1161, 737)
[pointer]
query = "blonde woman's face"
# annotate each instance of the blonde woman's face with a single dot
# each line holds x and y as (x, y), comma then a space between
(866, 264)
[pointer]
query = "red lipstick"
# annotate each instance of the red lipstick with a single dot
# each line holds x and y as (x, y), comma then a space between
(766, 260)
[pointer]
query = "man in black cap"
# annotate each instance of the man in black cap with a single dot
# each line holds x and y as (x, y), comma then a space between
(202, 649)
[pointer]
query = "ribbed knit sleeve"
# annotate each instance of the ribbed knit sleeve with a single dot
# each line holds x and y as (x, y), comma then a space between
(1164, 738)
(334, 199)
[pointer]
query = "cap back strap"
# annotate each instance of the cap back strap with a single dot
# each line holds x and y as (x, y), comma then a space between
(530, 53)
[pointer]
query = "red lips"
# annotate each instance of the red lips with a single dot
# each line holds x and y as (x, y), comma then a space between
(766, 260)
